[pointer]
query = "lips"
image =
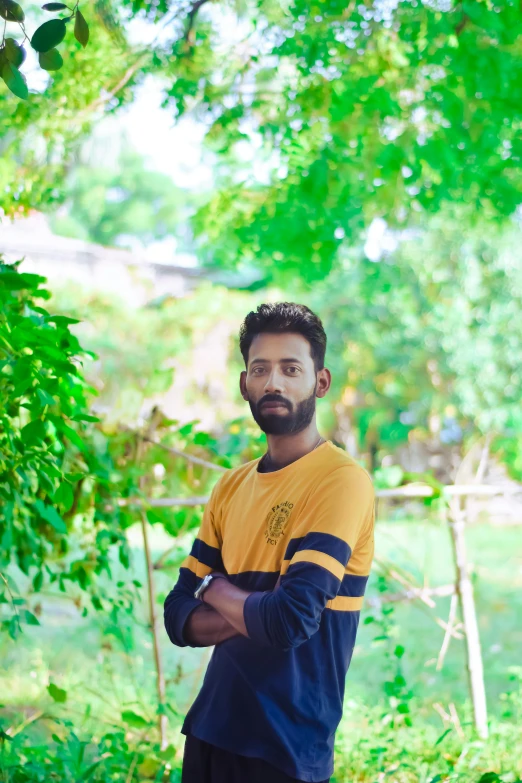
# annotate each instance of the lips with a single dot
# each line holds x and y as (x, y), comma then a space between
(273, 406)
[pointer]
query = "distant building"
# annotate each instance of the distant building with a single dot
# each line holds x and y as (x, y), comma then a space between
(135, 278)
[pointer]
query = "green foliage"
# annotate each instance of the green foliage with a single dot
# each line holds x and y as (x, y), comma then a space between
(83, 759)
(11, 11)
(362, 112)
(81, 29)
(46, 449)
(44, 39)
(51, 60)
(49, 35)
(426, 339)
(109, 200)
(14, 52)
(357, 112)
(14, 80)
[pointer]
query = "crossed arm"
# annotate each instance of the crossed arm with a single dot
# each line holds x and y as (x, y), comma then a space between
(220, 616)
(206, 627)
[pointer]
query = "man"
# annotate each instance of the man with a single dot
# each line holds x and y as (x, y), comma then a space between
(276, 577)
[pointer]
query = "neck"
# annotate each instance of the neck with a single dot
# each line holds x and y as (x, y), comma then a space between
(285, 449)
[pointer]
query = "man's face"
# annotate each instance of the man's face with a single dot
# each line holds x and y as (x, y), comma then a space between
(280, 383)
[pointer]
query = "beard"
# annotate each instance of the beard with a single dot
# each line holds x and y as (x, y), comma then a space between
(298, 418)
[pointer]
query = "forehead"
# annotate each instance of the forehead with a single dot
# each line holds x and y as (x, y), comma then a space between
(276, 347)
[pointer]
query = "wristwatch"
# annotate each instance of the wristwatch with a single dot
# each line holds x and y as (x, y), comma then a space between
(203, 585)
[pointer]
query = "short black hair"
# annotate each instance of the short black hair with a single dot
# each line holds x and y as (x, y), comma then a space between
(285, 317)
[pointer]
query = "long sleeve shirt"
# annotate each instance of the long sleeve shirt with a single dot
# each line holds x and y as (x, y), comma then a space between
(278, 694)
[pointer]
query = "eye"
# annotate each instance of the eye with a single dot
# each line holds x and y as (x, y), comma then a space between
(293, 370)
(257, 370)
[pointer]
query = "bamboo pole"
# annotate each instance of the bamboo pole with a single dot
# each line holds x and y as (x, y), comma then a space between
(409, 490)
(153, 618)
(469, 615)
(411, 594)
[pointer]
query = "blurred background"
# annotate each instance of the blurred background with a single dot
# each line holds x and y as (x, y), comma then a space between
(187, 163)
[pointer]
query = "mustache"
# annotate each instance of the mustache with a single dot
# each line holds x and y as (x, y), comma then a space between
(273, 398)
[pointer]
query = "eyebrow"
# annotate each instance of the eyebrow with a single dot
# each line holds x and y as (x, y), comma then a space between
(267, 361)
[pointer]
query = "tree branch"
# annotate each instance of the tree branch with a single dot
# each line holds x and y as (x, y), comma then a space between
(191, 19)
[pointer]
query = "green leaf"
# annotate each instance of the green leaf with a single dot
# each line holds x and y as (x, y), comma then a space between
(15, 81)
(399, 651)
(56, 693)
(71, 434)
(444, 734)
(54, 6)
(44, 397)
(33, 432)
(89, 771)
(81, 29)
(51, 60)
(14, 52)
(489, 777)
(61, 320)
(74, 477)
(38, 582)
(84, 417)
(64, 495)
(30, 618)
(50, 515)
(11, 11)
(48, 35)
(133, 719)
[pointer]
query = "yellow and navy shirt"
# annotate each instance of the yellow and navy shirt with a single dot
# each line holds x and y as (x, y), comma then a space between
(278, 694)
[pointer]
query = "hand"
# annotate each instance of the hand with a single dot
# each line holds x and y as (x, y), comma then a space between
(228, 600)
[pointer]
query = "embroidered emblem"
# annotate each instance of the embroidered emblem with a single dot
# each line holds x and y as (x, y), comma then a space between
(276, 521)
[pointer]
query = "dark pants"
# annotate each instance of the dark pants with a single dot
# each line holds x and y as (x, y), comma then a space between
(204, 763)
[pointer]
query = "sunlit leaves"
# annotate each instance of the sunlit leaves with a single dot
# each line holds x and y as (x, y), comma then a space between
(48, 35)
(51, 60)
(44, 41)
(15, 80)
(81, 29)
(14, 52)
(11, 11)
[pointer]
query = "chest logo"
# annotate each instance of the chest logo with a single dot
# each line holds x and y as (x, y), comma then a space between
(276, 521)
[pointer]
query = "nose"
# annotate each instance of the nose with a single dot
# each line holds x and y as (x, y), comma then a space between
(274, 383)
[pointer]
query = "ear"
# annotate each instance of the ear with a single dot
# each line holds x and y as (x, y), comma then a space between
(242, 385)
(324, 381)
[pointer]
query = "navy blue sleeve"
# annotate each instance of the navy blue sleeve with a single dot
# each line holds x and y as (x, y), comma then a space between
(179, 605)
(290, 615)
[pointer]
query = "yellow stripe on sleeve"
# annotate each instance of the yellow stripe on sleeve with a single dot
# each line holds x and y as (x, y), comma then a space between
(344, 603)
(319, 558)
(195, 566)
